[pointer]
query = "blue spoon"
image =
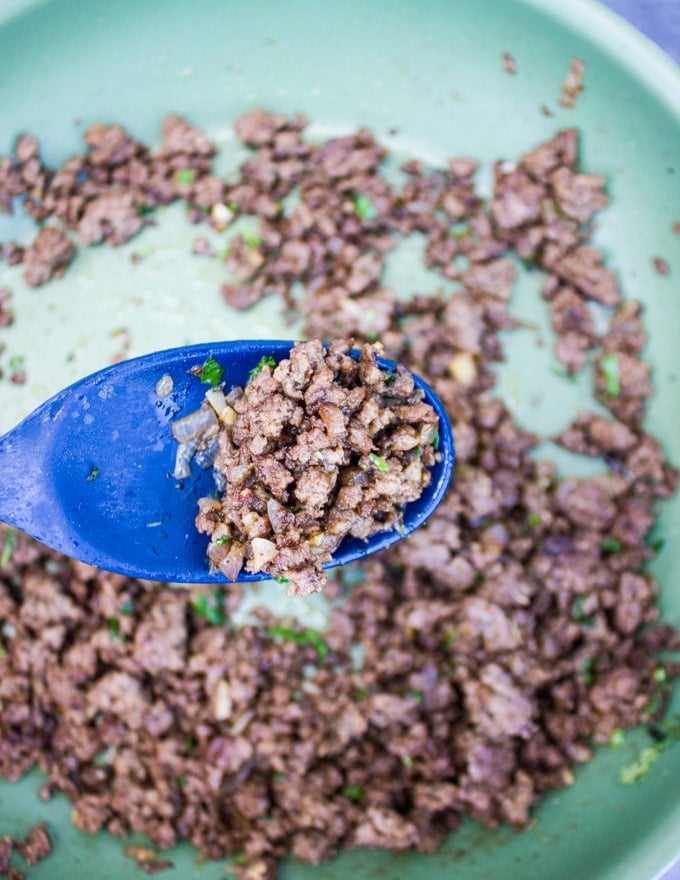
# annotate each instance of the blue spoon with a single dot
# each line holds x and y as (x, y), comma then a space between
(90, 471)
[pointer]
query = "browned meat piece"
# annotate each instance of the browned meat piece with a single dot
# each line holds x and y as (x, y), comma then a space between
(112, 217)
(583, 269)
(578, 195)
(48, 256)
(516, 199)
(36, 846)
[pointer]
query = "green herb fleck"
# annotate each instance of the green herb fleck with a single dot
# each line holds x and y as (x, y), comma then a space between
(460, 230)
(611, 545)
(16, 362)
(450, 637)
(278, 776)
(659, 674)
(222, 540)
(617, 737)
(417, 452)
(417, 696)
(657, 545)
(579, 614)
(280, 579)
(407, 761)
(609, 367)
(435, 441)
(379, 462)
(353, 792)
(211, 372)
(189, 744)
(638, 769)
(127, 608)
(210, 607)
(114, 628)
(185, 175)
(240, 859)
(359, 694)
(588, 668)
(8, 548)
(364, 207)
(372, 336)
(654, 703)
(534, 519)
(306, 637)
(251, 238)
(92, 476)
(266, 361)
(182, 781)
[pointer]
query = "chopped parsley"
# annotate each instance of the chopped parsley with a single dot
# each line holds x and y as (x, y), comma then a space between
(278, 776)
(609, 367)
(379, 462)
(435, 442)
(16, 363)
(657, 545)
(209, 606)
(127, 608)
(459, 230)
(222, 540)
(265, 361)
(638, 769)
(114, 628)
(185, 175)
(617, 737)
(8, 548)
(92, 476)
(251, 238)
(364, 207)
(588, 668)
(211, 372)
(182, 781)
(407, 761)
(611, 545)
(534, 519)
(659, 674)
(450, 637)
(353, 792)
(280, 579)
(189, 744)
(579, 614)
(306, 637)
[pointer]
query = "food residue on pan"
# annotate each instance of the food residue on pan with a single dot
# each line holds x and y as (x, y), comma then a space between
(573, 83)
(466, 671)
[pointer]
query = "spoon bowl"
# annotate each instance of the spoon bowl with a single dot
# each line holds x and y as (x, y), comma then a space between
(89, 473)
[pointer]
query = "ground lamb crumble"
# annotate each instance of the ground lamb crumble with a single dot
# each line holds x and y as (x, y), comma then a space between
(314, 449)
(499, 642)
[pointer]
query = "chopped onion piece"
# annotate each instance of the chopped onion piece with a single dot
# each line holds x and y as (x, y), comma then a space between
(184, 455)
(199, 423)
(164, 385)
(217, 400)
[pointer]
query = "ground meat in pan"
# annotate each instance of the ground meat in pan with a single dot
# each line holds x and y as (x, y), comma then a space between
(319, 447)
(36, 846)
(467, 670)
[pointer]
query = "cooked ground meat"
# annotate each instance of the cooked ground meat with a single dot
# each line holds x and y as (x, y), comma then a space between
(319, 447)
(36, 846)
(465, 671)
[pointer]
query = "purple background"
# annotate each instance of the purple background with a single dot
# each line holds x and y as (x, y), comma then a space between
(660, 21)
